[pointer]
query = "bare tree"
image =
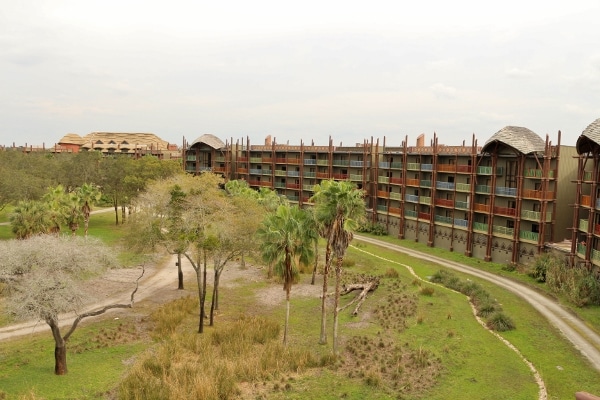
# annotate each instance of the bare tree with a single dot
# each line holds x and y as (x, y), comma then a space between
(44, 275)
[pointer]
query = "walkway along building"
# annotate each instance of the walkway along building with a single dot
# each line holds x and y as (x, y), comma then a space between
(497, 202)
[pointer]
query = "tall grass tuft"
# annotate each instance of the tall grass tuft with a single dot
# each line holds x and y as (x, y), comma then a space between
(168, 317)
(210, 366)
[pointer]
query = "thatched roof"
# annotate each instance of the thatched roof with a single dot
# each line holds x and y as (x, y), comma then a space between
(116, 140)
(210, 140)
(589, 141)
(71, 138)
(521, 139)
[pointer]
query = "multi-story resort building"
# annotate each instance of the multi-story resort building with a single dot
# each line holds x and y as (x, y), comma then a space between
(585, 240)
(498, 202)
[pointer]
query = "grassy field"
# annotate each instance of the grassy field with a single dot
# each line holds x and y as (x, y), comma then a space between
(402, 344)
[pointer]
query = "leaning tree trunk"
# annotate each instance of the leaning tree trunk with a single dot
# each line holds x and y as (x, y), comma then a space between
(116, 205)
(179, 272)
(336, 302)
(60, 348)
(203, 298)
(214, 305)
(200, 313)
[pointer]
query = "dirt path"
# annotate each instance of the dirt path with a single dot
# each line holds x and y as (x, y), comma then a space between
(576, 331)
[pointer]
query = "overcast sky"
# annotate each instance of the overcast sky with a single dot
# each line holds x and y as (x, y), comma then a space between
(301, 70)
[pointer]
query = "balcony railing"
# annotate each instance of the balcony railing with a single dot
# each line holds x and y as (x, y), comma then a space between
(531, 236)
(256, 160)
(465, 169)
(323, 162)
(395, 196)
(308, 174)
(511, 212)
(340, 177)
(190, 158)
(383, 179)
(488, 170)
(597, 229)
(310, 161)
(394, 210)
(426, 167)
(413, 166)
(586, 200)
(502, 230)
(396, 181)
(342, 163)
(242, 170)
(480, 226)
(255, 171)
(293, 198)
(323, 175)
(442, 219)
(279, 185)
(583, 225)
(294, 174)
(588, 176)
(462, 205)
(219, 159)
(410, 213)
(396, 165)
(425, 200)
(463, 223)
(446, 167)
(412, 198)
(424, 216)
(355, 178)
(483, 189)
(267, 160)
(267, 172)
(444, 185)
(538, 194)
(358, 164)
(382, 208)
(537, 173)
(581, 248)
(383, 164)
(535, 215)
(279, 172)
(444, 203)
(481, 207)
(383, 193)
(308, 188)
(595, 255)
(463, 187)
(426, 183)
(292, 186)
(505, 191)
(412, 182)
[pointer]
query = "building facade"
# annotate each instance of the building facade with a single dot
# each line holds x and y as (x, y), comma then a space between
(496, 202)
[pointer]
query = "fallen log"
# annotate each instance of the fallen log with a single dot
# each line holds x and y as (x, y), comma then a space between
(364, 288)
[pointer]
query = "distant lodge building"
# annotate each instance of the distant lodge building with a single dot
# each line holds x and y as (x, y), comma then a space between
(501, 202)
(133, 144)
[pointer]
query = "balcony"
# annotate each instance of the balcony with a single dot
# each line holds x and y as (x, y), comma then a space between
(254, 171)
(424, 216)
(588, 176)
(292, 186)
(267, 172)
(294, 174)
(446, 168)
(308, 174)
(218, 169)
(537, 173)
(410, 213)
(359, 164)
(488, 170)
(463, 223)
(480, 227)
(426, 183)
(595, 256)
(310, 161)
(412, 182)
(482, 207)
(463, 187)
(394, 210)
(425, 200)
(279, 172)
(356, 178)
(396, 165)
(190, 158)
(242, 170)
(443, 220)
(412, 198)
(308, 188)
(426, 167)
(581, 249)
(586, 200)
(583, 225)
(503, 231)
(383, 179)
(529, 236)
(464, 169)
(323, 175)
(384, 165)
(509, 212)
(267, 160)
(444, 185)
(279, 185)
(535, 215)
(396, 181)
(284, 160)
(538, 194)
(461, 205)
(395, 196)
(323, 162)
(255, 160)
(382, 208)
(340, 177)
(293, 198)
(242, 159)
(413, 166)
(383, 194)
(483, 189)
(505, 191)
(341, 163)
(444, 203)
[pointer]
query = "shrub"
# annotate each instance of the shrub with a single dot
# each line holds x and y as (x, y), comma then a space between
(500, 322)
(427, 291)
(391, 273)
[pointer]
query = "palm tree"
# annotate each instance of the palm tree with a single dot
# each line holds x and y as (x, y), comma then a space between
(285, 240)
(339, 205)
(30, 218)
(57, 200)
(88, 194)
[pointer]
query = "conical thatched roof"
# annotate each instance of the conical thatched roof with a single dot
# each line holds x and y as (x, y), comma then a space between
(589, 141)
(71, 138)
(210, 140)
(521, 139)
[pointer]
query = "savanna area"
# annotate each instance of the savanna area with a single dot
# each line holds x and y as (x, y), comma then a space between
(211, 290)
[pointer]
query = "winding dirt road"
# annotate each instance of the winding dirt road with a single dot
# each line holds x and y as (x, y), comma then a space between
(576, 331)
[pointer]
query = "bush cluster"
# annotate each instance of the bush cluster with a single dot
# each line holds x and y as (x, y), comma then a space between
(373, 228)
(487, 307)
